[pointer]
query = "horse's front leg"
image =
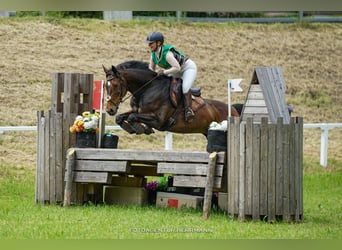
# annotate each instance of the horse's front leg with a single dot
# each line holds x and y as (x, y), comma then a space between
(121, 120)
(144, 122)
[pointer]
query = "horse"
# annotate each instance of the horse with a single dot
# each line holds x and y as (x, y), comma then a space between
(157, 102)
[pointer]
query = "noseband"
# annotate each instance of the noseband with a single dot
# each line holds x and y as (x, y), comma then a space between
(109, 96)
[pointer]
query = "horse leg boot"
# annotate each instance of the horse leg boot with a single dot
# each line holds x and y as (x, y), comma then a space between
(189, 114)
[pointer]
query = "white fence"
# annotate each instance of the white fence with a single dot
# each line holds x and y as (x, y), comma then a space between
(325, 127)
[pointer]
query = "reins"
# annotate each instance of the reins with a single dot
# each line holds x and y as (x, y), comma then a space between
(144, 85)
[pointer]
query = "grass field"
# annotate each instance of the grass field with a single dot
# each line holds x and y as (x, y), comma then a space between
(21, 218)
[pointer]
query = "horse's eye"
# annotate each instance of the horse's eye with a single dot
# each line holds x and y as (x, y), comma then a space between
(108, 98)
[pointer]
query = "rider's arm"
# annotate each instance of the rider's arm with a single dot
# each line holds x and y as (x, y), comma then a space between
(175, 67)
(152, 65)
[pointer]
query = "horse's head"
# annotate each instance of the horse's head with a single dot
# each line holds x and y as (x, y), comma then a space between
(115, 88)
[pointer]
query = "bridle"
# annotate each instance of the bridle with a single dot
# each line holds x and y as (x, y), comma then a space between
(109, 96)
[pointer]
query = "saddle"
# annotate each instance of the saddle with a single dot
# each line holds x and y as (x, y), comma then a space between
(176, 95)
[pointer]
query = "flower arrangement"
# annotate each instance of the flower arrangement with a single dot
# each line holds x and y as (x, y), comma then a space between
(87, 122)
(159, 185)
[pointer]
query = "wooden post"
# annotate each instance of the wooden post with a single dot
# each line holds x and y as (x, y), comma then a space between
(69, 176)
(209, 185)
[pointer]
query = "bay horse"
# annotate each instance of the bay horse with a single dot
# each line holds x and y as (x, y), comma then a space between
(156, 102)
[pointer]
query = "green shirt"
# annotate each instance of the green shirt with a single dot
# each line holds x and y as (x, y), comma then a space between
(162, 60)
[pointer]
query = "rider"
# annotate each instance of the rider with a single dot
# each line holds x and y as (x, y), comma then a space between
(174, 63)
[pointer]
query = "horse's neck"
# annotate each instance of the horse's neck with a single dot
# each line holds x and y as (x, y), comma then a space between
(137, 80)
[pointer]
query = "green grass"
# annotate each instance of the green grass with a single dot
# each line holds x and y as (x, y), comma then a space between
(21, 218)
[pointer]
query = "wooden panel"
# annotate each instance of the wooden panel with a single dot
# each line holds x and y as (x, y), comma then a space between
(249, 167)
(255, 103)
(242, 173)
(273, 86)
(110, 166)
(263, 165)
(59, 157)
(279, 167)
(271, 171)
(256, 172)
(187, 168)
(255, 88)
(145, 155)
(255, 95)
(255, 110)
(92, 177)
(194, 181)
(286, 173)
(39, 190)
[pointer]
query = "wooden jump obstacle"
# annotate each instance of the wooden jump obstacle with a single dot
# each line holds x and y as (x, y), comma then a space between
(71, 94)
(265, 154)
(261, 172)
(94, 168)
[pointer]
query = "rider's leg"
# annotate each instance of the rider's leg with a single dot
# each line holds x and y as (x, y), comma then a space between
(189, 76)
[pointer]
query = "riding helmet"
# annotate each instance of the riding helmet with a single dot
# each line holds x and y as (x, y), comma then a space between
(154, 37)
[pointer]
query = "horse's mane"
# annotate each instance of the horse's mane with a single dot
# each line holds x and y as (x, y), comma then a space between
(133, 64)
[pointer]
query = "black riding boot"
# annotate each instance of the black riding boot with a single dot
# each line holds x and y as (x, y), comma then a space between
(189, 114)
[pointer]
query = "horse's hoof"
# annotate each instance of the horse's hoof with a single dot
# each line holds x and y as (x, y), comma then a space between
(127, 127)
(139, 128)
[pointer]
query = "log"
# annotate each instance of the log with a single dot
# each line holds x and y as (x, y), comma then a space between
(209, 185)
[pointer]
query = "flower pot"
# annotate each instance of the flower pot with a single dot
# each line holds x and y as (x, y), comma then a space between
(86, 140)
(110, 141)
(217, 140)
(151, 197)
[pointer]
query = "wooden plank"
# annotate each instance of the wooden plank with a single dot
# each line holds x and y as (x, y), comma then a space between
(256, 172)
(279, 166)
(69, 177)
(249, 167)
(292, 154)
(47, 158)
(186, 168)
(106, 166)
(39, 193)
(263, 166)
(255, 95)
(236, 167)
(255, 88)
(271, 172)
(60, 169)
(145, 155)
(92, 177)
(286, 171)
(52, 158)
(255, 110)
(255, 103)
(300, 123)
(209, 185)
(242, 153)
(57, 88)
(232, 167)
(194, 181)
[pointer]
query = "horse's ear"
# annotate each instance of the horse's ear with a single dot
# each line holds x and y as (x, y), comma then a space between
(115, 71)
(104, 68)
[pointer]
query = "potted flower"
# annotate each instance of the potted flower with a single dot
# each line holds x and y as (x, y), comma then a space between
(85, 126)
(153, 187)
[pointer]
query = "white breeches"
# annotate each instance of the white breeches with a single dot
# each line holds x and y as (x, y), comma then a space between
(188, 73)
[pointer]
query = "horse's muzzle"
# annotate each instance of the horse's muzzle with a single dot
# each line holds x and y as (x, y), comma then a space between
(112, 111)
